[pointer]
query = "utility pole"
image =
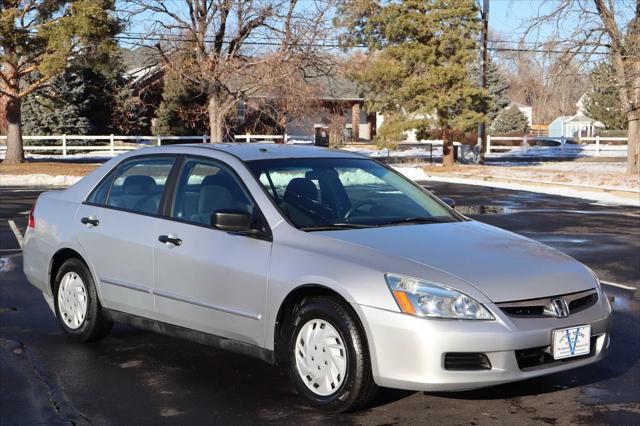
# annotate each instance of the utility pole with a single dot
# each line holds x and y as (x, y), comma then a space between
(484, 60)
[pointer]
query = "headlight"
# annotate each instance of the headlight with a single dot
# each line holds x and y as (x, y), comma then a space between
(426, 299)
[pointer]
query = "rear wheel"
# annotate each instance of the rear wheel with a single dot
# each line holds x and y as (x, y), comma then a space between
(328, 356)
(76, 303)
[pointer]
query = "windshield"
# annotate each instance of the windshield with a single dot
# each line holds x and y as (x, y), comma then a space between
(339, 193)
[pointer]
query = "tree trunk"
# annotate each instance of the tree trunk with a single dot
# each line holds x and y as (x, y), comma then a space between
(447, 148)
(15, 153)
(355, 122)
(633, 143)
(216, 120)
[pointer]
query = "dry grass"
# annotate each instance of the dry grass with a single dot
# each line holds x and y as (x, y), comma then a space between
(591, 174)
(47, 168)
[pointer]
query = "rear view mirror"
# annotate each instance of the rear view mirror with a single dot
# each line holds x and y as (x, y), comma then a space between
(232, 220)
(449, 201)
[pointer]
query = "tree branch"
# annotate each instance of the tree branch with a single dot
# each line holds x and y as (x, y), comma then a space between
(34, 86)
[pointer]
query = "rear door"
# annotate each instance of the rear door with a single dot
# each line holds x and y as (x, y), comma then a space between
(212, 281)
(117, 227)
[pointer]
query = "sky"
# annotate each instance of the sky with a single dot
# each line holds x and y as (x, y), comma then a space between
(507, 19)
(507, 16)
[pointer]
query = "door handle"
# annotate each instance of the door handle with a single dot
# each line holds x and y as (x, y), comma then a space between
(91, 220)
(171, 238)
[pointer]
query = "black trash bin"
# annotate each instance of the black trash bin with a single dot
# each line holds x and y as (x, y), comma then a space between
(321, 137)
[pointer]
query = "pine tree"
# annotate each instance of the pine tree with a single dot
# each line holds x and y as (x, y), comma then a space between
(86, 99)
(38, 39)
(497, 86)
(510, 120)
(602, 103)
(182, 110)
(65, 105)
(417, 73)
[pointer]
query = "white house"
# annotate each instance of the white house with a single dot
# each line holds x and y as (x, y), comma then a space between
(527, 110)
(574, 126)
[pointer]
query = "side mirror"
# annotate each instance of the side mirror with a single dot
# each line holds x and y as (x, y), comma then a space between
(232, 221)
(449, 201)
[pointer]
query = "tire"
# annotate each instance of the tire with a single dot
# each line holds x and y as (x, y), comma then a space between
(322, 329)
(76, 303)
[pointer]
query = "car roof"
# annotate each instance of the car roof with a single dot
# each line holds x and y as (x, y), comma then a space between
(269, 151)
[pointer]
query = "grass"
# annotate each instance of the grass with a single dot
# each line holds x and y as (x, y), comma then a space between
(585, 173)
(47, 168)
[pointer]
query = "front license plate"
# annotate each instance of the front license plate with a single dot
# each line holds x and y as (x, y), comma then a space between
(572, 341)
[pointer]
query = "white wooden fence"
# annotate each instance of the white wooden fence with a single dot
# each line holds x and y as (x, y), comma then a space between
(64, 144)
(599, 145)
(115, 143)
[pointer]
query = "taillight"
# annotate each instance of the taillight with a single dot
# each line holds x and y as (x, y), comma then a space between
(32, 220)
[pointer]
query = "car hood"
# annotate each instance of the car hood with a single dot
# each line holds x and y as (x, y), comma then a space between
(502, 265)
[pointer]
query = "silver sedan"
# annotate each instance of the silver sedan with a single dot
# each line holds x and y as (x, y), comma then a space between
(323, 260)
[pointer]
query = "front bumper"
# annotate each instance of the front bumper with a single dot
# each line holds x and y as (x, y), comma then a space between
(408, 352)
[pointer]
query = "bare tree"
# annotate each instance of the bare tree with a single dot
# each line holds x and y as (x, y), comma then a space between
(293, 95)
(551, 83)
(593, 28)
(233, 49)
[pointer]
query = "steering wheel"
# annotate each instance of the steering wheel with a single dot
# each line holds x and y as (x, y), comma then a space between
(358, 206)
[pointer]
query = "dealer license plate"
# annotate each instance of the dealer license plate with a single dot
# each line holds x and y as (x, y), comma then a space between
(572, 341)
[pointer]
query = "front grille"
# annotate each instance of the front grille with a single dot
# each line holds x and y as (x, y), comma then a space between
(524, 311)
(540, 308)
(583, 302)
(466, 361)
(534, 358)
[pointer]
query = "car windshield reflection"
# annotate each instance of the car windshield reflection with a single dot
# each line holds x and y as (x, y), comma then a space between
(319, 194)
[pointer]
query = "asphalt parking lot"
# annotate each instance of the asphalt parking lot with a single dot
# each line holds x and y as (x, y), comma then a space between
(137, 377)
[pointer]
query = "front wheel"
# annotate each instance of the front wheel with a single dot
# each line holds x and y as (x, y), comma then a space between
(76, 303)
(328, 356)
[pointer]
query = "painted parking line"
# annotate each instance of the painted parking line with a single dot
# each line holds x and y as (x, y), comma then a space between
(626, 287)
(16, 232)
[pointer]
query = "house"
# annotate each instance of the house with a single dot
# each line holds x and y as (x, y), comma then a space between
(527, 110)
(574, 126)
(337, 96)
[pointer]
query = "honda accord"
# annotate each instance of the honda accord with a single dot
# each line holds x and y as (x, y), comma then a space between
(322, 260)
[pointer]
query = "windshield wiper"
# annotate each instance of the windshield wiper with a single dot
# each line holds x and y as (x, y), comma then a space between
(334, 226)
(417, 220)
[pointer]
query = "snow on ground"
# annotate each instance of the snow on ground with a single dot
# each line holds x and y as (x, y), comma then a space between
(605, 175)
(433, 148)
(569, 150)
(38, 180)
(611, 195)
(88, 156)
(385, 152)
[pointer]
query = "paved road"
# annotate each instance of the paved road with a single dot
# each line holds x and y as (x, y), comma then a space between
(137, 377)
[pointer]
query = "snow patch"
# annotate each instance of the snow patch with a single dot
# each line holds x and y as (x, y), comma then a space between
(569, 151)
(594, 194)
(38, 180)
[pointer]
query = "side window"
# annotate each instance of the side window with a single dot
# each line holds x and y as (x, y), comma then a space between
(139, 183)
(100, 192)
(205, 187)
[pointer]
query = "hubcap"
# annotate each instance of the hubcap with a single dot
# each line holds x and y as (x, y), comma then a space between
(321, 357)
(72, 300)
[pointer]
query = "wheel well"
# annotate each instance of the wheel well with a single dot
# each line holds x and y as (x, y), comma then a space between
(58, 259)
(290, 304)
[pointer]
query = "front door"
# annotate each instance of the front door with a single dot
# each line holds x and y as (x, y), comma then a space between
(207, 279)
(117, 229)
